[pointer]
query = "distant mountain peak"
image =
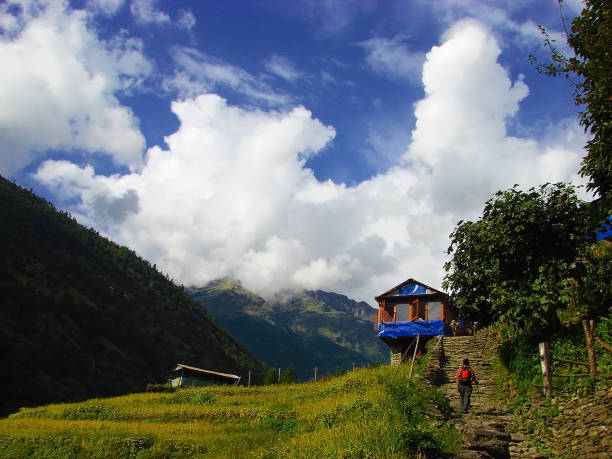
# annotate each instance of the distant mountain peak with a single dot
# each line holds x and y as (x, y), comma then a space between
(314, 327)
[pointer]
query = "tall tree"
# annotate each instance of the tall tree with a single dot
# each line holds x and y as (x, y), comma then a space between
(516, 261)
(590, 72)
(590, 294)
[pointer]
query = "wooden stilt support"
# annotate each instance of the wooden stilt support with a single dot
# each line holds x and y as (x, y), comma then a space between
(414, 355)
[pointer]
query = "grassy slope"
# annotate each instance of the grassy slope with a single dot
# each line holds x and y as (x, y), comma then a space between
(370, 413)
(81, 316)
(307, 329)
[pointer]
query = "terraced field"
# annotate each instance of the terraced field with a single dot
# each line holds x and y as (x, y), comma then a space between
(371, 412)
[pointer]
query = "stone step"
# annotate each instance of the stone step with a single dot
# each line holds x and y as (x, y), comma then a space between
(483, 428)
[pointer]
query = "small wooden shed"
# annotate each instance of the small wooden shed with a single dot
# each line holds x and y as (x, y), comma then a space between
(188, 376)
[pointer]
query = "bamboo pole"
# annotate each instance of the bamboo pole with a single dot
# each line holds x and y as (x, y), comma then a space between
(414, 355)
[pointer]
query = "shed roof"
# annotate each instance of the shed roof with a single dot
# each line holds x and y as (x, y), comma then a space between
(181, 366)
(395, 291)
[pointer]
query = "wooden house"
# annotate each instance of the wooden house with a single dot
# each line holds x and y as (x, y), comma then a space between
(410, 309)
(187, 376)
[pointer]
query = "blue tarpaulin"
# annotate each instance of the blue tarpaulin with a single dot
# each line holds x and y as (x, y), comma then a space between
(606, 231)
(412, 289)
(418, 327)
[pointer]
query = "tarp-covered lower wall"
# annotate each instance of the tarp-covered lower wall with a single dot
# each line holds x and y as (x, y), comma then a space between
(419, 327)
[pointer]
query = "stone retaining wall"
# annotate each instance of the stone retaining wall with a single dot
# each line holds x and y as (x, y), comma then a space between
(576, 427)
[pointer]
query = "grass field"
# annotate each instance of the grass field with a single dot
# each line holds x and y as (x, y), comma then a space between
(372, 412)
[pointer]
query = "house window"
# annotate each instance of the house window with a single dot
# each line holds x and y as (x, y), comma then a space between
(403, 313)
(434, 311)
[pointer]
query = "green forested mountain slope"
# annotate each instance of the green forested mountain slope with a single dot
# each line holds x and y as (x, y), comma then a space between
(81, 316)
(308, 329)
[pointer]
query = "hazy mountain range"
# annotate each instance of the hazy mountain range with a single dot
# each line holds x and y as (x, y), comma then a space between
(304, 329)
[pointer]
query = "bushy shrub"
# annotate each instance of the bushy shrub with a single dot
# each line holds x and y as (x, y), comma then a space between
(93, 412)
(288, 375)
(421, 439)
(123, 446)
(160, 388)
(280, 418)
(193, 397)
(271, 377)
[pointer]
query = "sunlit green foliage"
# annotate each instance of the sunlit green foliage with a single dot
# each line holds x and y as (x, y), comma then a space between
(589, 71)
(515, 262)
(369, 413)
(519, 353)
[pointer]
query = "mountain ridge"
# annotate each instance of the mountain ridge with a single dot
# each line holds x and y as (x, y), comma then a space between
(81, 316)
(306, 328)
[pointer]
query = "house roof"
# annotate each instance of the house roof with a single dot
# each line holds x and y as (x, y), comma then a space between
(395, 291)
(181, 366)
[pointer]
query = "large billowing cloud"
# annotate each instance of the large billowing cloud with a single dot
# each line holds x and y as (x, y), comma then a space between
(58, 86)
(231, 195)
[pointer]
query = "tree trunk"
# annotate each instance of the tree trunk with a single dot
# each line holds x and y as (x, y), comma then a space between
(588, 333)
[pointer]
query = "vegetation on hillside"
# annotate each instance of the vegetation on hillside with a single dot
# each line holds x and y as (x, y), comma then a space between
(516, 263)
(374, 412)
(81, 316)
(304, 329)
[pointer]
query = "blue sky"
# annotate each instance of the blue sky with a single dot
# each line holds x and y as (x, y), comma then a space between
(306, 144)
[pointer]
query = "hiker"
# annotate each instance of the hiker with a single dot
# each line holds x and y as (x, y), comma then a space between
(464, 378)
(455, 327)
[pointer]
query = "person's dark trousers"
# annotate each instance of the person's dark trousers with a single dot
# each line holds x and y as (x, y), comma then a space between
(465, 392)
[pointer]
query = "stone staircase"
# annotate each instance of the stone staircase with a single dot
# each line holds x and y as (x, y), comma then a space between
(485, 429)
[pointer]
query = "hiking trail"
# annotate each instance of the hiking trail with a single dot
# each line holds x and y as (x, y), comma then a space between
(486, 429)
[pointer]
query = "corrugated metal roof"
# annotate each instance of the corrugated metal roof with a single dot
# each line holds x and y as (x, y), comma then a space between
(209, 372)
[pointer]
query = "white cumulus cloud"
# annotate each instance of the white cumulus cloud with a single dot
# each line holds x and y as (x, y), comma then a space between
(58, 88)
(231, 196)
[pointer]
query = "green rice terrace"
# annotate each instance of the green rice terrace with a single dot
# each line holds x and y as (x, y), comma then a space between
(372, 412)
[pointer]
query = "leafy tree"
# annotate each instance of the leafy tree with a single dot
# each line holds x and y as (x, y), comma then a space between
(271, 377)
(339, 371)
(289, 375)
(589, 294)
(589, 71)
(516, 262)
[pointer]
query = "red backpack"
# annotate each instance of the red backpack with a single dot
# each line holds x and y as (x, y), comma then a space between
(466, 376)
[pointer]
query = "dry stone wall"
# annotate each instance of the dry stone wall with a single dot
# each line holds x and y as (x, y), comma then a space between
(576, 427)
